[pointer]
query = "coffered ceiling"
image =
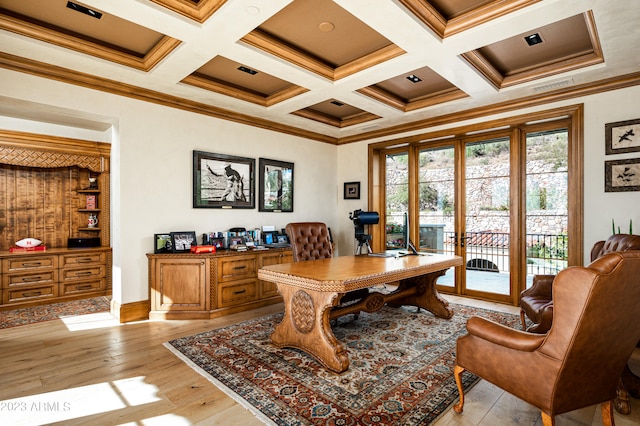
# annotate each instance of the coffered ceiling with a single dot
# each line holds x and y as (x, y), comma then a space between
(335, 71)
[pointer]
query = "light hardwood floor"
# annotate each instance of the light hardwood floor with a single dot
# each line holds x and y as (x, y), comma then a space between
(89, 370)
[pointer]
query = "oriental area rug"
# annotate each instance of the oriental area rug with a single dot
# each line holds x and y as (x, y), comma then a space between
(53, 311)
(400, 373)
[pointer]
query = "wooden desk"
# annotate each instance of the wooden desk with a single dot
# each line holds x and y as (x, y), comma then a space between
(311, 289)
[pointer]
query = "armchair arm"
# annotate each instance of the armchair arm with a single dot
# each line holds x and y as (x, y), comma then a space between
(504, 336)
(541, 286)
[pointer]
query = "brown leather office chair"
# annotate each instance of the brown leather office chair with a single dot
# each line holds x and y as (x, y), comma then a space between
(310, 241)
(536, 302)
(579, 361)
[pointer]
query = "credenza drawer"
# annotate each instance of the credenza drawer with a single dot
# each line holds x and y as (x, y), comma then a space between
(29, 293)
(80, 259)
(29, 277)
(235, 268)
(237, 293)
(75, 287)
(15, 264)
(89, 272)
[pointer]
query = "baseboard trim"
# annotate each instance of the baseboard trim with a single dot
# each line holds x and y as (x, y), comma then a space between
(129, 312)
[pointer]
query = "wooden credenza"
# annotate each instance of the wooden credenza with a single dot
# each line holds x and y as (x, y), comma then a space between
(33, 278)
(202, 286)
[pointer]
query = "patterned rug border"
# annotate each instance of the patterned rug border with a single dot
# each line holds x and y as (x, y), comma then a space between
(443, 404)
(43, 313)
(224, 388)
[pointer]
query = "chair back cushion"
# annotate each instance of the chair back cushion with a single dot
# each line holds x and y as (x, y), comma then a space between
(616, 242)
(596, 310)
(309, 240)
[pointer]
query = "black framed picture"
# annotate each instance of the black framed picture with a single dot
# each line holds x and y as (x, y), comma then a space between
(276, 186)
(223, 181)
(622, 136)
(352, 190)
(162, 243)
(622, 175)
(182, 241)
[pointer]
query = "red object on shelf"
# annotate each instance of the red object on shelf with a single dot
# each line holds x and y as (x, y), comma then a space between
(203, 249)
(24, 249)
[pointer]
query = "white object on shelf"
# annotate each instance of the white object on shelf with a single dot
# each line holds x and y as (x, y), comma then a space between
(28, 242)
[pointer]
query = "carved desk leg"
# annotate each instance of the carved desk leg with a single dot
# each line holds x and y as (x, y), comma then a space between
(306, 326)
(426, 295)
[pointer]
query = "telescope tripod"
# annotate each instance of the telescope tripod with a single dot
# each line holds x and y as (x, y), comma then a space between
(363, 240)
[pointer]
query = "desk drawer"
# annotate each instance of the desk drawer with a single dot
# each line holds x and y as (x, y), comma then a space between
(236, 268)
(237, 293)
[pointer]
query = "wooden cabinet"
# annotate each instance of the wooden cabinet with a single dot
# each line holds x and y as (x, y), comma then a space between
(210, 285)
(54, 275)
(266, 288)
(181, 285)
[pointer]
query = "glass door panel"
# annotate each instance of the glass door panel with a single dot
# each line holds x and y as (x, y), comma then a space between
(485, 240)
(436, 204)
(397, 200)
(547, 202)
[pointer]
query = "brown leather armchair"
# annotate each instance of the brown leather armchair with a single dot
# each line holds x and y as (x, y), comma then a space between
(536, 302)
(310, 241)
(579, 361)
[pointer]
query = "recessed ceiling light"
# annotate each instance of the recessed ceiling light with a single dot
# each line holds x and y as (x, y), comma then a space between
(326, 27)
(414, 78)
(247, 70)
(337, 103)
(533, 39)
(253, 10)
(79, 8)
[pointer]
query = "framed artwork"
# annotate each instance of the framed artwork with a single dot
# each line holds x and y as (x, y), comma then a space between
(223, 181)
(182, 241)
(276, 186)
(352, 190)
(622, 175)
(622, 136)
(162, 243)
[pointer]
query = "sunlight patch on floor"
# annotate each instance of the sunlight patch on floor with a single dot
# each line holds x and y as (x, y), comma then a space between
(58, 406)
(90, 321)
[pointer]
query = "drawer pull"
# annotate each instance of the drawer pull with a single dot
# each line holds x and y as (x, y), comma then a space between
(84, 260)
(83, 273)
(240, 267)
(30, 279)
(32, 294)
(31, 264)
(83, 287)
(240, 291)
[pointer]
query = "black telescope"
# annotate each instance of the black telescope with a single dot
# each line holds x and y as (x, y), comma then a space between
(360, 219)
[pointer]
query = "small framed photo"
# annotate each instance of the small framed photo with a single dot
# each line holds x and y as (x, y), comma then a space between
(217, 242)
(236, 241)
(223, 181)
(162, 243)
(622, 136)
(283, 239)
(352, 190)
(276, 186)
(270, 238)
(182, 241)
(622, 175)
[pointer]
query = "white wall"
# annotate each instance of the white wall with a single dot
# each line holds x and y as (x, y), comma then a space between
(152, 154)
(151, 183)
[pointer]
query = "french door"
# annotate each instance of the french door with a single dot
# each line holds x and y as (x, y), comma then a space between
(500, 200)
